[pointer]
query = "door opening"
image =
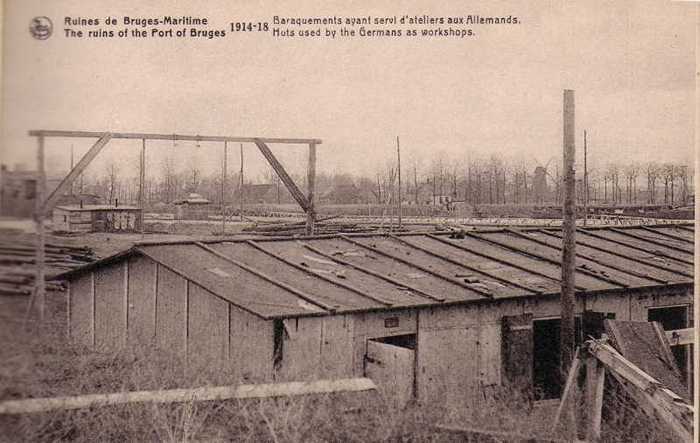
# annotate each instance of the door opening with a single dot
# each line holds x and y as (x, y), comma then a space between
(546, 357)
(391, 363)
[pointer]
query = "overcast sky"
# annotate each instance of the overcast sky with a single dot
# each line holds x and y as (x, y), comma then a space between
(631, 64)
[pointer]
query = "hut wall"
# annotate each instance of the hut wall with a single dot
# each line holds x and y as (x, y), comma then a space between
(81, 308)
(207, 327)
(142, 299)
(251, 345)
(317, 347)
(376, 325)
(110, 306)
(61, 220)
(171, 312)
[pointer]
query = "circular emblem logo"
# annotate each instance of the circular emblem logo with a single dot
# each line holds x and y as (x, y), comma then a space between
(41, 27)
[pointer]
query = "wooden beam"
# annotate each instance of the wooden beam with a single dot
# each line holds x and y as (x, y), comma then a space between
(306, 297)
(174, 137)
(293, 189)
(498, 260)
(587, 257)
(311, 182)
(595, 384)
(316, 274)
(666, 234)
(75, 172)
(628, 245)
(568, 388)
(679, 337)
(617, 254)
(671, 407)
(547, 260)
(452, 280)
(653, 242)
(214, 393)
(373, 273)
(40, 276)
(466, 266)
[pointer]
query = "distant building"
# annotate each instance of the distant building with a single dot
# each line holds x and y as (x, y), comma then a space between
(193, 199)
(96, 218)
(18, 190)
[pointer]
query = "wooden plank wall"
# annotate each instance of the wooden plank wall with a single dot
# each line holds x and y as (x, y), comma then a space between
(208, 323)
(171, 312)
(81, 310)
(301, 352)
(110, 309)
(375, 325)
(142, 299)
(251, 345)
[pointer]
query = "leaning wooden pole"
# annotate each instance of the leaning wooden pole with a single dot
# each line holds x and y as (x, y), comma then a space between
(311, 181)
(40, 280)
(568, 257)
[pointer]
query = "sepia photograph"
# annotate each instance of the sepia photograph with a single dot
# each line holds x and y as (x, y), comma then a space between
(305, 221)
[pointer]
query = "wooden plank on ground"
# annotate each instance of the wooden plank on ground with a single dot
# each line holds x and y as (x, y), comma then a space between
(271, 390)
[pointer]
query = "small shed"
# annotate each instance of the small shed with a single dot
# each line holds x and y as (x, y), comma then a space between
(96, 218)
(433, 316)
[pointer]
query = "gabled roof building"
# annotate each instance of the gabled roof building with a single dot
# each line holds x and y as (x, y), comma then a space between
(425, 315)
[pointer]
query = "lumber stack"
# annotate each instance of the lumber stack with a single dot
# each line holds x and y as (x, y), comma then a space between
(18, 262)
(323, 228)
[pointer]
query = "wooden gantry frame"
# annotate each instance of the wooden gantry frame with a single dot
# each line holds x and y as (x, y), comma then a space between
(45, 203)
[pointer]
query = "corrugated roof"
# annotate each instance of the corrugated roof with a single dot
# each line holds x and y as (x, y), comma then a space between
(289, 277)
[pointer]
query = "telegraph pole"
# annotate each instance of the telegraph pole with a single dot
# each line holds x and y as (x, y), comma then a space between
(240, 194)
(223, 190)
(585, 178)
(398, 161)
(568, 258)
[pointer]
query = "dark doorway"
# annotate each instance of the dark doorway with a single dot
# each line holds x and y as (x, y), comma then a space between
(671, 318)
(546, 355)
(404, 341)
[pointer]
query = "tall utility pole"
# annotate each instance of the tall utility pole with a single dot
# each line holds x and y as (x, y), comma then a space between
(240, 193)
(585, 178)
(568, 257)
(223, 190)
(398, 162)
(40, 289)
(71, 166)
(142, 180)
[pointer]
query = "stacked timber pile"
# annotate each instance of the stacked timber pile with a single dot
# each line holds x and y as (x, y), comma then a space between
(18, 263)
(320, 228)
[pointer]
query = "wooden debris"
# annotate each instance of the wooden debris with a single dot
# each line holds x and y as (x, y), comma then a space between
(18, 260)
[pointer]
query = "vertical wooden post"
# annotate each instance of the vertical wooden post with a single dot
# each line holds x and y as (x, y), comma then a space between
(71, 168)
(311, 180)
(142, 180)
(595, 383)
(223, 190)
(40, 282)
(568, 259)
(585, 178)
(398, 161)
(240, 190)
